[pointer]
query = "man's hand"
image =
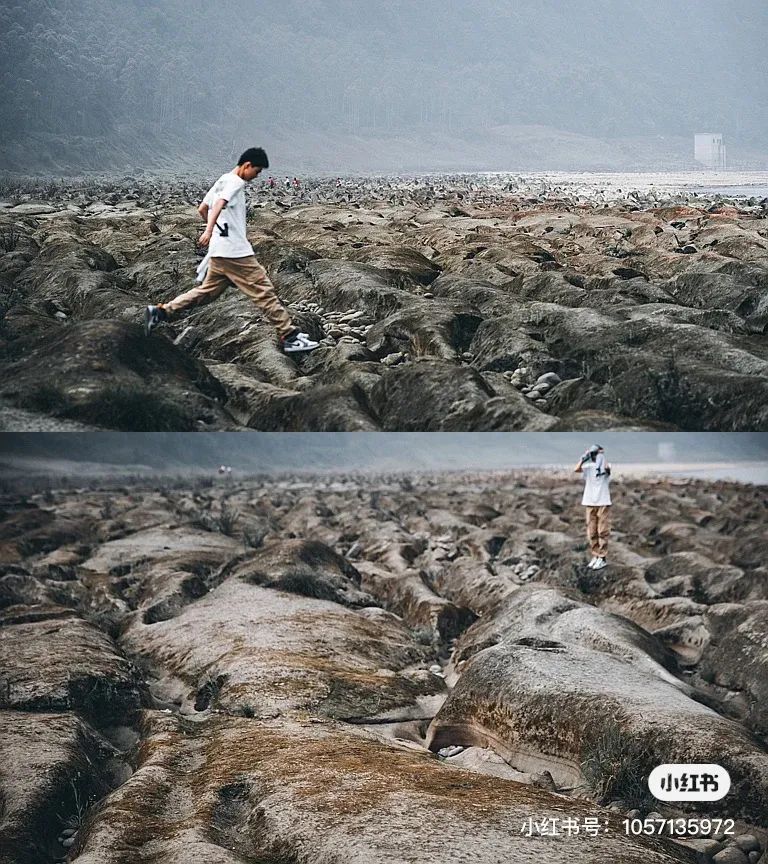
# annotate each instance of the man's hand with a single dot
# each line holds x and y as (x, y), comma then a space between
(205, 237)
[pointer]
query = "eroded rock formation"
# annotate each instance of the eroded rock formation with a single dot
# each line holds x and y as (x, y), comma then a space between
(396, 670)
(462, 303)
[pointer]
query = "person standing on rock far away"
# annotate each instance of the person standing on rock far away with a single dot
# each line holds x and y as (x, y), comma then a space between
(231, 258)
(597, 501)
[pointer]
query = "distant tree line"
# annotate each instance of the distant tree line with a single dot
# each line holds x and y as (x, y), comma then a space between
(104, 69)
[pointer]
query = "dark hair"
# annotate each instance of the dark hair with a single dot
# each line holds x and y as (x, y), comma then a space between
(256, 156)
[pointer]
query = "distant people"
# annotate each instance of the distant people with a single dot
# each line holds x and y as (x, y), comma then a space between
(271, 182)
(296, 184)
(230, 257)
(597, 500)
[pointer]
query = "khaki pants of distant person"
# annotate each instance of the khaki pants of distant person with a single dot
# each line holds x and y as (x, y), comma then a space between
(598, 529)
(247, 275)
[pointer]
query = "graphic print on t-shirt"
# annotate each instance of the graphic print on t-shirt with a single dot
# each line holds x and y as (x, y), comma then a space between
(597, 492)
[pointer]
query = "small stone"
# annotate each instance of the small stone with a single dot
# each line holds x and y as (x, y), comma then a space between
(60, 316)
(467, 355)
(754, 857)
(436, 669)
(70, 841)
(731, 855)
(69, 832)
(533, 394)
(447, 752)
(548, 378)
(541, 403)
(428, 295)
(653, 816)
(633, 814)
(393, 359)
(355, 549)
(747, 843)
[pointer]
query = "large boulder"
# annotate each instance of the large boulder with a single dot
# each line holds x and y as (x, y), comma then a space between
(65, 663)
(260, 651)
(109, 374)
(573, 710)
(52, 767)
(305, 567)
(295, 792)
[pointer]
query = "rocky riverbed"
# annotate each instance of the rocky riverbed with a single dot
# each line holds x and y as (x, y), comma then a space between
(470, 302)
(376, 668)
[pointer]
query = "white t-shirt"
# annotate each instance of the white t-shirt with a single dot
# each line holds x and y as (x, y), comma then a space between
(597, 491)
(228, 239)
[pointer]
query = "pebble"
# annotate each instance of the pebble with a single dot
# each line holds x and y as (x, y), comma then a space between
(69, 841)
(428, 295)
(69, 832)
(447, 752)
(533, 394)
(436, 669)
(542, 403)
(747, 843)
(754, 857)
(731, 855)
(393, 359)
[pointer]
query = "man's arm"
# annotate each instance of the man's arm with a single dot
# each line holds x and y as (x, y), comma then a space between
(577, 469)
(213, 215)
(203, 211)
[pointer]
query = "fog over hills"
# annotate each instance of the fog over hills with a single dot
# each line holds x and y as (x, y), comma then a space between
(367, 451)
(395, 85)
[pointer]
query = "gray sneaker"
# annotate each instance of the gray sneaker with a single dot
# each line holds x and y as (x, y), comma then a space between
(153, 315)
(299, 342)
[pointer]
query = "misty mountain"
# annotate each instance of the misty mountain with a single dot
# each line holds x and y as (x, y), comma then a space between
(389, 451)
(110, 84)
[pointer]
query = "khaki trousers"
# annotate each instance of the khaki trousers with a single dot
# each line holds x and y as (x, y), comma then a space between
(598, 529)
(247, 275)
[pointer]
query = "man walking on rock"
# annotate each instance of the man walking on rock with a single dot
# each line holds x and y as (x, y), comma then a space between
(231, 257)
(597, 500)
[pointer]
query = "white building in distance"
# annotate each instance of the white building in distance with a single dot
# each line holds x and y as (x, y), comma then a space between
(709, 149)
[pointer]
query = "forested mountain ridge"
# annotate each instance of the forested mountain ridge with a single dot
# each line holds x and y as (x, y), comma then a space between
(158, 82)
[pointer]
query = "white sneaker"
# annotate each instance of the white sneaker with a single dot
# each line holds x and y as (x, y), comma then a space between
(600, 563)
(299, 342)
(592, 562)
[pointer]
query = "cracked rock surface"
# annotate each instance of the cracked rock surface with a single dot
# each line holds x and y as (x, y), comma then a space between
(375, 668)
(443, 303)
